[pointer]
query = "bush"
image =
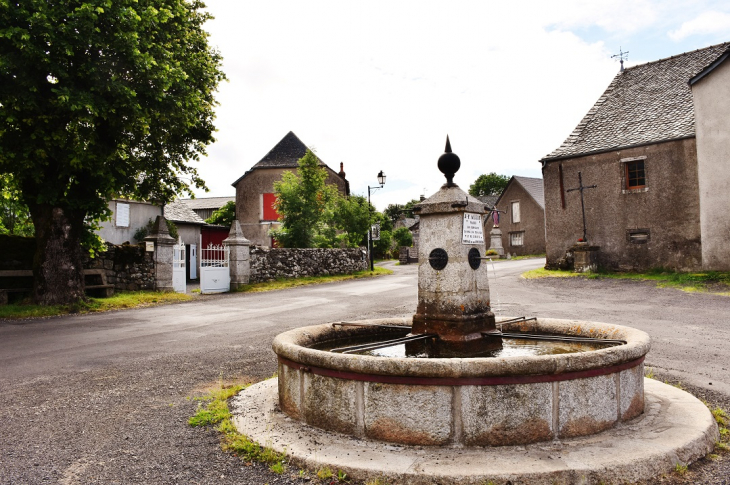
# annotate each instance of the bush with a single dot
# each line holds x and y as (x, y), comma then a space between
(403, 237)
(145, 230)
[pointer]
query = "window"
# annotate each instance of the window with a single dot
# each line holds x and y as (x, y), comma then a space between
(269, 213)
(515, 212)
(517, 238)
(122, 215)
(634, 173)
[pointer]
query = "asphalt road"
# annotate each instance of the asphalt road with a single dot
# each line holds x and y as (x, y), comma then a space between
(105, 398)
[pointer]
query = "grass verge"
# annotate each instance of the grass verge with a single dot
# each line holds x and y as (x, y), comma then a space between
(215, 411)
(528, 256)
(131, 299)
(282, 283)
(708, 281)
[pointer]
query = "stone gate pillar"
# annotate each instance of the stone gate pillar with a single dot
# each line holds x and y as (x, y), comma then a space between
(162, 255)
(239, 262)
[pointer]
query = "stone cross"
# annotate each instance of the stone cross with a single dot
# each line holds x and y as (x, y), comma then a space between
(582, 187)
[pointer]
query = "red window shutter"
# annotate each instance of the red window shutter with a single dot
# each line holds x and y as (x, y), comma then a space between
(270, 213)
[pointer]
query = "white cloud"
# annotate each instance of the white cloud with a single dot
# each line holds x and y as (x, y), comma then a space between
(711, 22)
(378, 85)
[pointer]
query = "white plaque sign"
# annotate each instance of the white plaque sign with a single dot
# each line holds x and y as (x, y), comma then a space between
(149, 246)
(472, 232)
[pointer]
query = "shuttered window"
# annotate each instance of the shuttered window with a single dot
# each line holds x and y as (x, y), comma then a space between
(270, 213)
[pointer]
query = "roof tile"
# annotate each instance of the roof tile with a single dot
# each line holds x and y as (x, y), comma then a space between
(644, 104)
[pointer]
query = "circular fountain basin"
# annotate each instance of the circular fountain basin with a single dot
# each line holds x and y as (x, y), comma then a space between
(462, 401)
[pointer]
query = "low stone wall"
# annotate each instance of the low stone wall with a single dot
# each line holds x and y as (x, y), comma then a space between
(127, 267)
(268, 264)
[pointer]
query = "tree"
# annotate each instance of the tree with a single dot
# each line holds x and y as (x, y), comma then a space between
(225, 215)
(14, 215)
(353, 219)
(403, 237)
(394, 211)
(490, 184)
(303, 201)
(99, 99)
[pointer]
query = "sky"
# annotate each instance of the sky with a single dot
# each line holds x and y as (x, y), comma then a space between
(378, 85)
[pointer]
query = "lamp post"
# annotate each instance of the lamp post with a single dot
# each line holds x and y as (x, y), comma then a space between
(381, 181)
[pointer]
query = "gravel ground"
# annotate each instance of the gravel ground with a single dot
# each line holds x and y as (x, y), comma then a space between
(127, 423)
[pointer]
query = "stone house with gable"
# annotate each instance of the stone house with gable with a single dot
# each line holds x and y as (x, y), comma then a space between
(522, 216)
(657, 146)
(255, 188)
(205, 206)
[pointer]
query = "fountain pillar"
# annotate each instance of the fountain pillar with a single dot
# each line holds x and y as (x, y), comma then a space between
(453, 290)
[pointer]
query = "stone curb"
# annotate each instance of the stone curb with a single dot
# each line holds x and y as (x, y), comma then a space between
(675, 428)
(294, 345)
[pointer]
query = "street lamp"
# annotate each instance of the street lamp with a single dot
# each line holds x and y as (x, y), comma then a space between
(381, 181)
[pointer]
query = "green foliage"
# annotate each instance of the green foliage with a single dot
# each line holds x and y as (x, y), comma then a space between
(144, 231)
(403, 237)
(101, 99)
(119, 301)
(325, 473)
(14, 215)
(353, 219)
(489, 184)
(314, 214)
(225, 215)
(302, 202)
(216, 411)
(383, 247)
(710, 281)
(394, 211)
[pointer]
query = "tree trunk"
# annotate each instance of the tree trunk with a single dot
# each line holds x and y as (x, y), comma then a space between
(58, 273)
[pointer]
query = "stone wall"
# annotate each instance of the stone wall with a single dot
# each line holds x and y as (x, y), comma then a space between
(666, 211)
(268, 264)
(127, 267)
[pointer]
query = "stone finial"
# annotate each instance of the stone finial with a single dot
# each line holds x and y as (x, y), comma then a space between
(159, 228)
(235, 235)
(449, 163)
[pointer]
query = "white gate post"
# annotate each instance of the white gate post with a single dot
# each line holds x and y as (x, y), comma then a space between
(162, 255)
(240, 264)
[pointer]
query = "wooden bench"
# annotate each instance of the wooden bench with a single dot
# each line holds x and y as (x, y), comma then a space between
(95, 280)
(104, 288)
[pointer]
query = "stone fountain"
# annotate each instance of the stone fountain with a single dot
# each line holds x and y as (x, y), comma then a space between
(333, 405)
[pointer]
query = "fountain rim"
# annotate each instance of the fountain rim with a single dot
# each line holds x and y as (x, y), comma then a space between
(294, 347)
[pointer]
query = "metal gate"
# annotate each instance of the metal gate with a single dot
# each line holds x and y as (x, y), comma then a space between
(178, 267)
(215, 276)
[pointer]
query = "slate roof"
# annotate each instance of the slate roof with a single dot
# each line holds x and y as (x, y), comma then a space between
(490, 200)
(647, 103)
(534, 187)
(208, 202)
(406, 222)
(179, 211)
(285, 154)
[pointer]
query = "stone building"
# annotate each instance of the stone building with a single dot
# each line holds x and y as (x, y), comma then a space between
(522, 216)
(255, 188)
(656, 144)
(127, 217)
(205, 206)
